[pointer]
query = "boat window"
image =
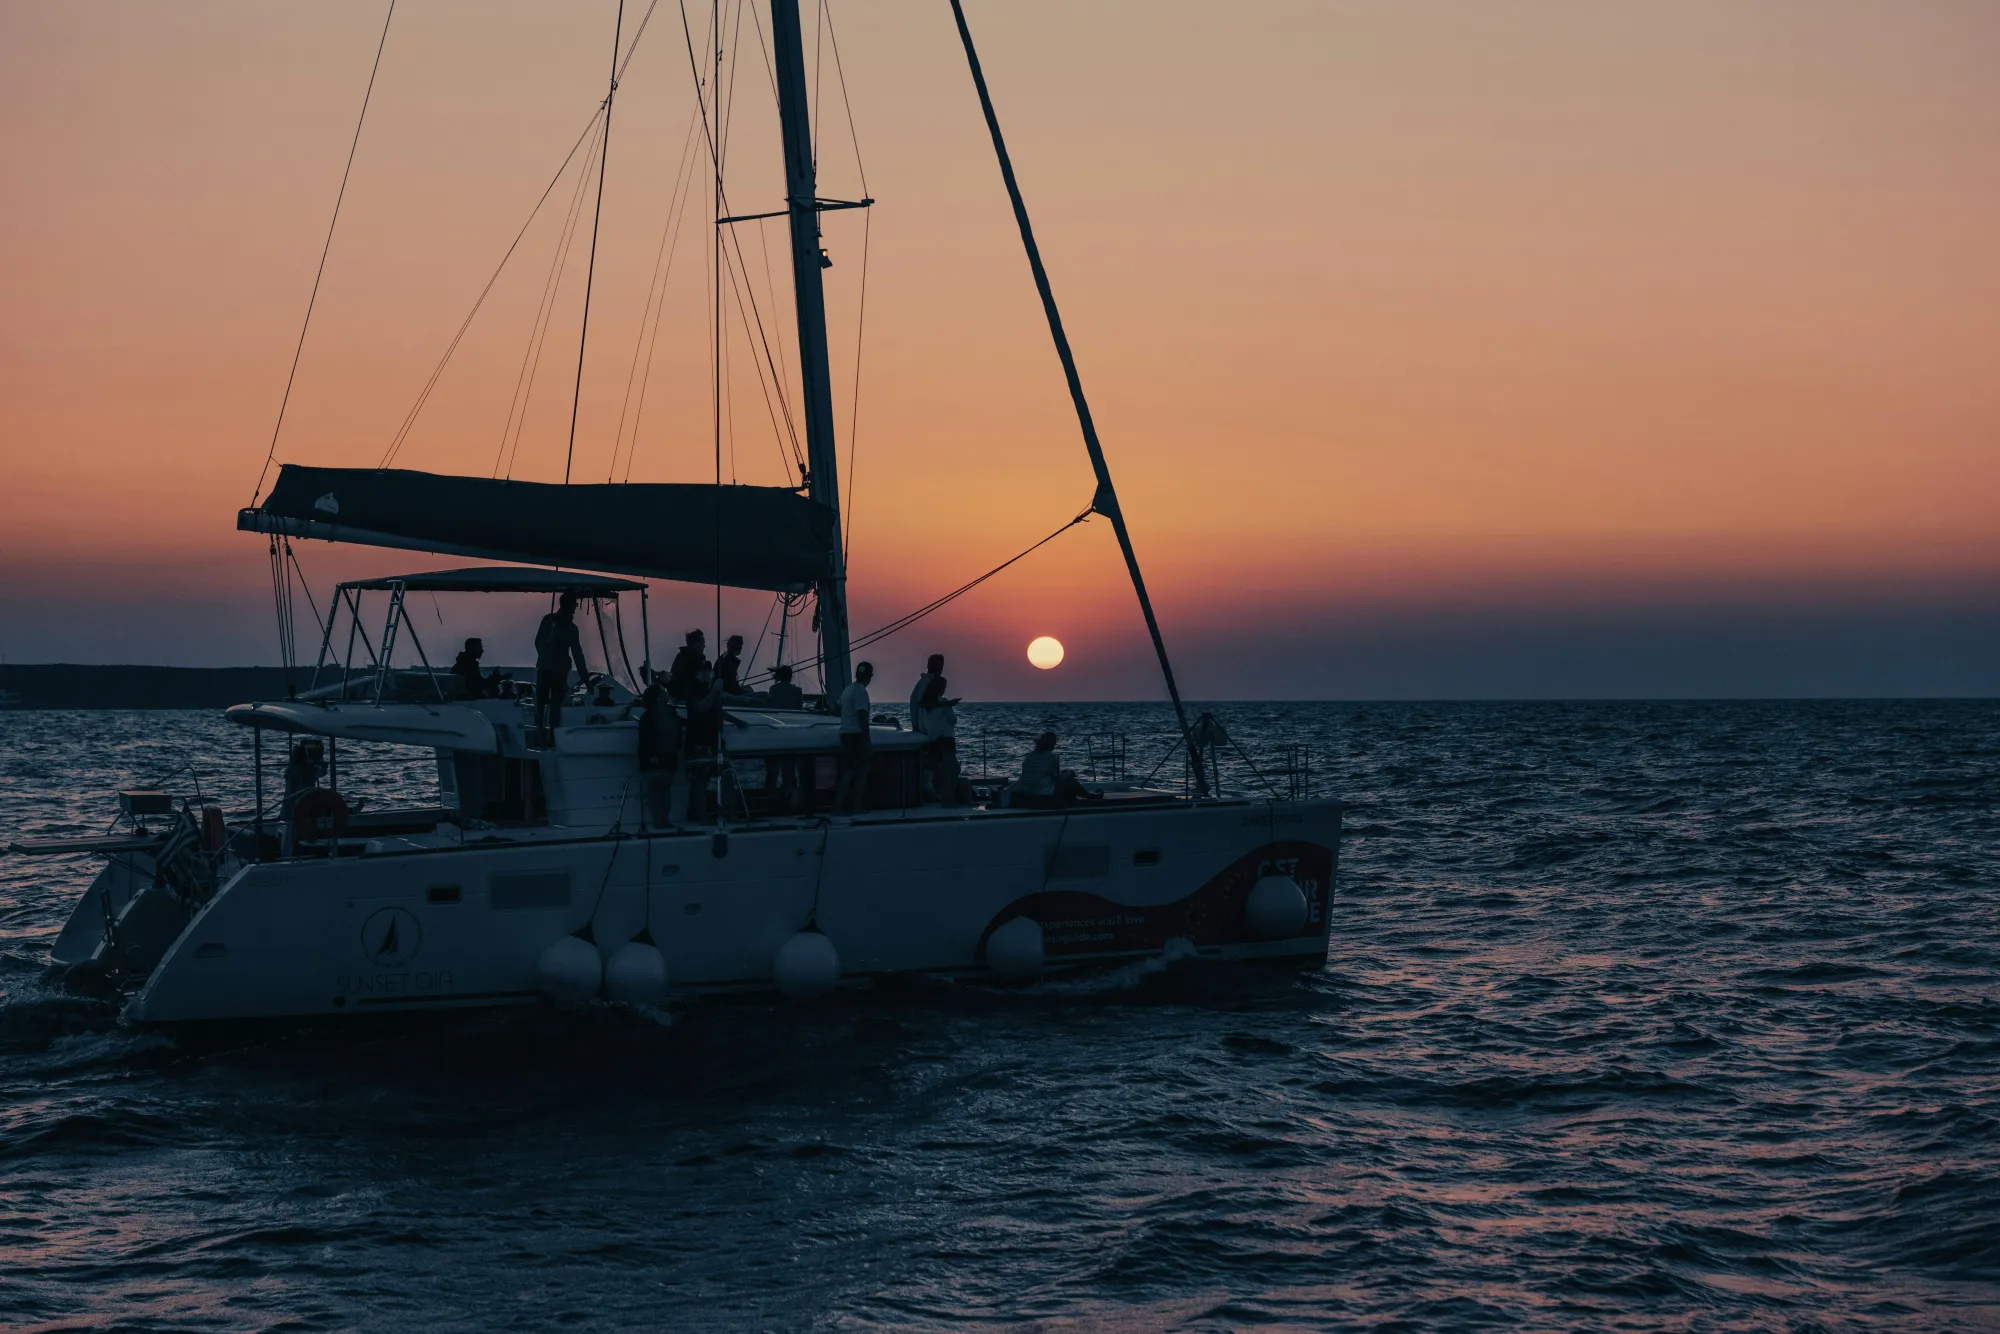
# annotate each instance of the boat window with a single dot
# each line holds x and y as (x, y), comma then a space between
(535, 889)
(1080, 861)
(1146, 857)
(442, 894)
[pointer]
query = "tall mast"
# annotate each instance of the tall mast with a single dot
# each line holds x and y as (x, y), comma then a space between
(802, 206)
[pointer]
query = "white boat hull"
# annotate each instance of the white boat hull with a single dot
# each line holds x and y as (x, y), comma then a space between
(425, 924)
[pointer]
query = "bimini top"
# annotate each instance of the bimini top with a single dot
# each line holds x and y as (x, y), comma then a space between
(743, 536)
(504, 579)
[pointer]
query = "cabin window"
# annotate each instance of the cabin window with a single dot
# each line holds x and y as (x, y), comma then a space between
(1080, 861)
(1146, 857)
(442, 894)
(536, 889)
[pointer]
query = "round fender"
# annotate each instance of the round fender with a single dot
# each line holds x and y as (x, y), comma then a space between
(807, 965)
(570, 970)
(1014, 951)
(636, 973)
(1276, 908)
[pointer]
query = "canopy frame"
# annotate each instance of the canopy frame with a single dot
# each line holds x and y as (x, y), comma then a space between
(594, 589)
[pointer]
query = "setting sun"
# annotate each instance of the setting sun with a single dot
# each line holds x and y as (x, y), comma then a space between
(1045, 652)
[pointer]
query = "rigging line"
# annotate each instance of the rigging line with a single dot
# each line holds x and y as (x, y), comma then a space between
(715, 319)
(590, 274)
(840, 74)
(789, 430)
(729, 401)
(771, 287)
(325, 250)
(770, 71)
(936, 604)
(423, 397)
(524, 379)
(854, 399)
(726, 117)
(305, 586)
(819, 52)
(743, 266)
(905, 622)
(777, 599)
(638, 33)
(656, 287)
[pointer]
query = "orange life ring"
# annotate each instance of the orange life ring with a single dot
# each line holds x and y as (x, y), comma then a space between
(320, 814)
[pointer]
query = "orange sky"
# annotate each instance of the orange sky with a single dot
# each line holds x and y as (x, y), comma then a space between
(1380, 305)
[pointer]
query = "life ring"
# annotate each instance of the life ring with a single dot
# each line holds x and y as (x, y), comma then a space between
(320, 814)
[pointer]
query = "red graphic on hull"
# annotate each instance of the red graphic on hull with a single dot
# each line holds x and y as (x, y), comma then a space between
(1076, 922)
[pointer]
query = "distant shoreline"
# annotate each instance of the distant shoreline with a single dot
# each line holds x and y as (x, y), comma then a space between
(68, 685)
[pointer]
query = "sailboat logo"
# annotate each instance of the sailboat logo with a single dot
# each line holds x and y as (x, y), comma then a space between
(391, 936)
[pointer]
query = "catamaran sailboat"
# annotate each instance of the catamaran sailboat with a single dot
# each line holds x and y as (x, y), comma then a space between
(543, 870)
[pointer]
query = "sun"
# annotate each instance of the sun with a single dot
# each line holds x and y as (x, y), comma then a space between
(1046, 652)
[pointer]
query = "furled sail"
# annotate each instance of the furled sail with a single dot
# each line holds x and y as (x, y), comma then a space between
(740, 536)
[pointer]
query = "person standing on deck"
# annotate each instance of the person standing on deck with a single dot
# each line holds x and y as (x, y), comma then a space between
(659, 750)
(689, 663)
(940, 715)
(932, 670)
(855, 746)
(557, 644)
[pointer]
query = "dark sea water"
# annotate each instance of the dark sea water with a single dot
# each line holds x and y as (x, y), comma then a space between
(1637, 1016)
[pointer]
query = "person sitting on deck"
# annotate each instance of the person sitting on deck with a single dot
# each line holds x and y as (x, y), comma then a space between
(478, 684)
(1043, 780)
(688, 664)
(659, 749)
(729, 667)
(782, 775)
(557, 644)
(783, 694)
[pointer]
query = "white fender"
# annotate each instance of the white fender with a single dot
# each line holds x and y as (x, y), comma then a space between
(636, 973)
(570, 969)
(1276, 908)
(1014, 951)
(807, 965)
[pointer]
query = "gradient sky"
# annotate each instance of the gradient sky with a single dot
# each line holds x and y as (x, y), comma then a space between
(1490, 348)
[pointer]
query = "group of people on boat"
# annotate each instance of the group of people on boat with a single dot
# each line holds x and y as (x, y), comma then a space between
(681, 716)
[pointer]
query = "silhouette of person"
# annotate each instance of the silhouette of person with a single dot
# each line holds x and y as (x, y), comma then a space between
(850, 790)
(704, 743)
(940, 724)
(688, 664)
(557, 644)
(781, 772)
(783, 694)
(729, 667)
(1040, 770)
(659, 749)
(478, 685)
(932, 670)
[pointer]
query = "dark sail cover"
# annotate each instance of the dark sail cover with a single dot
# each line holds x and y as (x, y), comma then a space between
(741, 536)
